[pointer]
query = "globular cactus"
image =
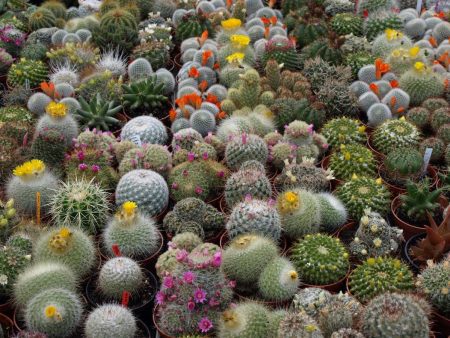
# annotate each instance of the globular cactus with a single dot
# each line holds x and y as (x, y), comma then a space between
(150, 156)
(185, 139)
(347, 23)
(29, 179)
(396, 314)
(362, 192)
(40, 277)
(202, 121)
(300, 323)
(279, 280)
(110, 320)
(38, 102)
(379, 275)
(41, 18)
(283, 51)
(388, 41)
(403, 164)
(346, 333)
(245, 148)
(435, 103)
(56, 312)
(439, 117)
(139, 69)
(418, 116)
(147, 128)
(379, 21)
(333, 213)
(166, 77)
(375, 237)
(245, 258)
(312, 300)
(254, 216)
(185, 241)
(136, 234)
(378, 113)
(13, 260)
(393, 134)
(27, 73)
(343, 130)
(352, 159)
(69, 246)
(120, 274)
(82, 204)
(321, 259)
(49, 146)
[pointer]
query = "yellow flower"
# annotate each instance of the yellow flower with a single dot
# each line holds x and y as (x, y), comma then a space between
(420, 66)
(241, 40)
(310, 328)
(379, 181)
(371, 261)
(291, 197)
(392, 34)
(354, 177)
(129, 207)
(56, 109)
(65, 232)
(29, 168)
(231, 23)
(293, 274)
(347, 156)
(414, 51)
(362, 129)
(377, 242)
(236, 57)
(402, 118)
(396, 53)
(50, 311)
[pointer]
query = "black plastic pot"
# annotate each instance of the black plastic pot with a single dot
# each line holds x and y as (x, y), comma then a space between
(405, 252)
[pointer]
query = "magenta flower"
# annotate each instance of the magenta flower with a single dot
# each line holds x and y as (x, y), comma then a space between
(191, 157)
(189, 277)
(325, 146)
(168, 282)
(160, 298)
(82, 166)
(205, 324)
(205, 155)
(181, 255)
(200, 296)
(220, 174)
(244, 138)
(174, 185)
(185, 172)
(198, 190)
(213, 302)
(311, 128)
(232, 284)
(190, 306)
(95, 168)
(217, 260)
(80, 156)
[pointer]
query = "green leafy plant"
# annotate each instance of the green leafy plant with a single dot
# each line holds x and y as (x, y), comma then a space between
(99, 113)
(146, 94)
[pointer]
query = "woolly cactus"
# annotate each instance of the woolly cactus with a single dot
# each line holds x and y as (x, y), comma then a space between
(147, 128)
(379, 275)
(333, 213)
(110, 320)
(393, 134)
(29, 179)
(321, 259)
(40, 277)
(149, 156)
(352, 159)
(295, 324)
(27, 73)
(82, 204)
(135, 234)
(362, 192)
(375, 237)
(378, 113)
(55, 312)
(245, 148)
(279, 280)
(146, 188)
(13, 261)
(203, 121)
(396, 314)
(48, 146)
(69, 246)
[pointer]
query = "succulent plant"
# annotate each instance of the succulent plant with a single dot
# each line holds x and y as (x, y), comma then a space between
(379, 21)
(193, 25)
(352, 159)
(402, 164)
(110, 320)
(245, 148)
(321, 259)
(149, 156)
(300, 323)
(148, 128)
(8, 219)
(27, 73)
(343, 130)
(41, 18)
(13, 261)
(283, 51)
(98, 113)
(379, 275)
(395, 133)
(147, 94)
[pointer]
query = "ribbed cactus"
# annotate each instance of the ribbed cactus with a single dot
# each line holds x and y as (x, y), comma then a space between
(110, 320)
(147, 128)
(352, 159)
(283, 51)
(13, 261)
(41, 18)
(27, 73)
(245, 148)
(393, 134)
(347, 23)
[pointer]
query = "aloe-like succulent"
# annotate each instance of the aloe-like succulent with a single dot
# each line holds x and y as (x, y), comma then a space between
(98, 113)
(144, 94)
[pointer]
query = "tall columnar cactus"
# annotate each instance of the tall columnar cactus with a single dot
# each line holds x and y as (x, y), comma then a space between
(246, 257)
(55, 312)
(27, 73)
(80, 203)
(147, 128)
(352, 159)
(136, 235)
(321, 259)
(29, 179)
(69, 246)
(40, 277)
(110, 320)
(395, 133)
(378, 275)
(245, 148)
(394, 314)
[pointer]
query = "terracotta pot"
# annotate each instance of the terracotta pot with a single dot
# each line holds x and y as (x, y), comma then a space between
(349, 226)
(7, 324)
(283, 244)
(333, 287)
(334, 182)
(146, 262)
(440, 324)
(377, 154)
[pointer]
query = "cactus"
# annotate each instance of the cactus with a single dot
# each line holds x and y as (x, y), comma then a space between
(433, 281)
(380, 21)
(139, 69)
(352, 159)
(321, 259)
(333, 213)
(347, 23)
(396, 314)
(254, 216)
(110, 320)
(120, 274)
(185, 139)
(98, 113)
(5, 60)
(185, 241)
(55, 312)
(41, 18)
(403, 164)
(58, 119)
(246, 320)
(279, 280)
(378, 113)
(346, 333)
(13, 261)
(438, 117)
(249, 180)
(147, 128)
(435, 103)
(150, 156)
(144, 95)
(16, 96)
(246, 257)
(418, 116)
(69, 246)
(135, 234)
(357, 60)
(373, 5)
(337, 314)
(203, 121)
(193, 25)
(283, 51)
(295, 324)
(343, 130)
(40, 277)
(437, 145)
(385, 43)
(27, 73)
(153, 51)
(117, 28)
(375, 237)
(48, 146)
(362, 192)
(393, 134)
(8, 220)
(112, 61)
(311, 301)
(245, 148)
(29, 179)
(82, 204)
(444, 133)
(421, 83)
(379, 275)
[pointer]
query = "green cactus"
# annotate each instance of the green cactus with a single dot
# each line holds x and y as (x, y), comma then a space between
(379, 21)
(402, 164)
(357, 60)
(48, 146)
(57, 8)
(437, 145)
(362, 192)
(150, 156)
(283, 51)
(144, 95)
(299, 324)
(421, 83)
(245, 148)
(69, 246)
(338, 314)
(311, 301)
(110, 320)
(40, 277)
(321, 259)
(13, 261)
(373, 5)
(193, 25)
(185, 241)
(99, 113)
(102, 83)
(352, 159)
(418, 116)
(393, 134)
(439, 116)
(41, 18)
(154, 52)
(435, 103)
(27, 73)
(8, 219)
(307, 24)
(56, 312)
(379, 275)
(343, 130)
(347, 23)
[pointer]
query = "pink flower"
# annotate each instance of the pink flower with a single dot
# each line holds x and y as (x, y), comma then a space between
(191, 306)
(232, 284)
(185, 172)
(213, 302)
(181, 255)
(198, 190)
(248, 198)
(174, 185)
(82, 166)
(80, 155)
(205, 155)
(95, 168)
(160, 297)
(311, 128)
(168, 282)
(244, 138)
(189, 277)
(200, 296)
(205, 324)
(217, 260)
(325, 146)
(191, 157)
(220, 174)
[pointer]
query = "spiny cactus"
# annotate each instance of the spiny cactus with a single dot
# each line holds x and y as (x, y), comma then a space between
(110, 320)
(245, 148)
(41, 18)
(149, 156)
(27, 73)
(352, 159)
(148, 128)
(13, 261)
(295, 324)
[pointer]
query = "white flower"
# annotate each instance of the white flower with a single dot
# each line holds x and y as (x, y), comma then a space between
(28, 257)
(3, 280)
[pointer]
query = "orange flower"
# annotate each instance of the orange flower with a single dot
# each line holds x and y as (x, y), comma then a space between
(229, 3)
(400, 110)
(193, 72)
(293, 39)
(394, 83)
(221, 115)
(266, 32)
(440, 15)
(203, 37)
(272, 3)
(216, 65)
(393, 101)
(374, 88)
(265, 21)
(211, 98)
(203, 85)
(380, 68)
(273, 19)
(49, 89)
(172, 115)
(433, 41)
(205, 56)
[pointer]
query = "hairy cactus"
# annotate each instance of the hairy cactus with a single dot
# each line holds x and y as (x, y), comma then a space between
(69, 246)
(378, 275)
(147, 128)
(13, 261)
(245, 148)
(352, 159)
(27, 73)
(149, 156)
(321, 259)
(110, 320)
(393, 134)
(81, 204)
(295, 324)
